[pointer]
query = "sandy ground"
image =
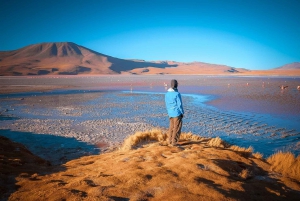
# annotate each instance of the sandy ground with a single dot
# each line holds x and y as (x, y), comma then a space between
(149, 170)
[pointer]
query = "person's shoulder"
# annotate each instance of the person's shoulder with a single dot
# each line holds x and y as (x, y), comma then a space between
(170, 90)
(176, 91)
(178, 94)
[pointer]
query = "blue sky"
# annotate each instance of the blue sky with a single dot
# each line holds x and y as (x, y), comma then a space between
(252, 34)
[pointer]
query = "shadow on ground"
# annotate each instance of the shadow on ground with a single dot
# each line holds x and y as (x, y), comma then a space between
(55, 149)
(26, 155)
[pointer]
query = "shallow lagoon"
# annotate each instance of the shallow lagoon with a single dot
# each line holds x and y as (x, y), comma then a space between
(108, 114)
(264, 132)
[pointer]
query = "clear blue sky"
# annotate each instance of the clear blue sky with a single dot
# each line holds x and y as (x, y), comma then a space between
(252, 34)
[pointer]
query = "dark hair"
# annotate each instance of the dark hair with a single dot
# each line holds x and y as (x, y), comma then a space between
(174, 84)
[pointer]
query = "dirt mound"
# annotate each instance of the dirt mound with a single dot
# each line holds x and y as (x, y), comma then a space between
(145, 168)
(17, 161)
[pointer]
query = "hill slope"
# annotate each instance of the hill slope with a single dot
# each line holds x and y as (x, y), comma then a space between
(65, 58)
(291, 66)
(199, 169)
(69, 58)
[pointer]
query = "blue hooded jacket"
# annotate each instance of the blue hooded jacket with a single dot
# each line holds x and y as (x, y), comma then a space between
(173, 103)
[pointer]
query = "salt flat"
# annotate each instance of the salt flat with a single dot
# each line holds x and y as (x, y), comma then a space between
(102, 111)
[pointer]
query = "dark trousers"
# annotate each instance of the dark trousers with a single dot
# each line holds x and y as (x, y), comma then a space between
(174, 129)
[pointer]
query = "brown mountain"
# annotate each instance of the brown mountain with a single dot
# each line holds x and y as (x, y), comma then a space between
(292, 69)
(291, 66)
(66, 58)
(196, 68)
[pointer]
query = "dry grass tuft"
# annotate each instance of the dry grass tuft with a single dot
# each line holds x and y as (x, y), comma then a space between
(218, 142)
(258, 155)
(190, 136)
(245, 174)
(246, 152)
(241, 149)
(285, 163)
(142, 137)
(156, 135)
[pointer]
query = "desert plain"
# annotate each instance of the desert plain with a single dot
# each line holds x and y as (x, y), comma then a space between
(103, 138)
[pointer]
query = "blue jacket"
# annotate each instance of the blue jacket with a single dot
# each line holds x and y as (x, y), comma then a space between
(173, 103)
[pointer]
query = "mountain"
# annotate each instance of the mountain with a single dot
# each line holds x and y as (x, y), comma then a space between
(67, 58)
(292, 69)
(291, 66)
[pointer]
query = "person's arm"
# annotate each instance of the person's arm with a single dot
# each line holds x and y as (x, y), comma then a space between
(179, 104)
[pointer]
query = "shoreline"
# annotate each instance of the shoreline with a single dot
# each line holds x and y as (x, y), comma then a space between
(81, 116)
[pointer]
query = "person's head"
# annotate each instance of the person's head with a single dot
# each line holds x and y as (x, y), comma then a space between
(174, 84)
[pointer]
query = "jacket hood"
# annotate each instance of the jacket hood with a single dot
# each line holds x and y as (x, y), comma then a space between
(172, 90)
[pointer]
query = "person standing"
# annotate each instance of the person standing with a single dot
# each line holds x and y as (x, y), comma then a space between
(175, 112)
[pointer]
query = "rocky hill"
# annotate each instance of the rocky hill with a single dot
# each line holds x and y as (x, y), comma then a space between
(17, 161)
(291, 66)
(145, 168)
(66, 58)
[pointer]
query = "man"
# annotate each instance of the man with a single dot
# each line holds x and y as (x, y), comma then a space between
(175, 112)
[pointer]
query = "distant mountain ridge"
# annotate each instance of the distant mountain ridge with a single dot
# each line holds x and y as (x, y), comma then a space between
(67, 58)
(63, 58)
(291, 66)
